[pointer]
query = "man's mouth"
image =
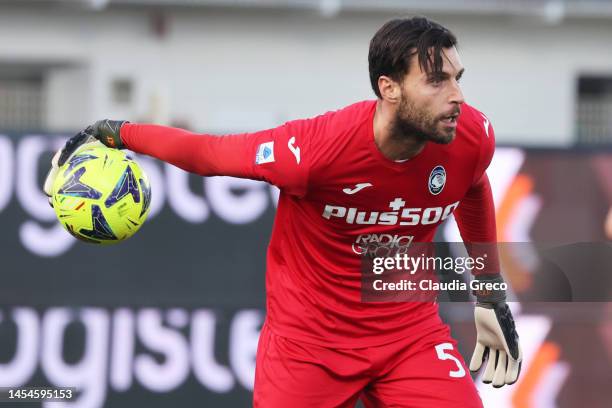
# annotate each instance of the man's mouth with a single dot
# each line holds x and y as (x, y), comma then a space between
(451, 119)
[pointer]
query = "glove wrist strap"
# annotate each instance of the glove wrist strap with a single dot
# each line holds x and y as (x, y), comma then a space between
(109, 132)
(489, 290)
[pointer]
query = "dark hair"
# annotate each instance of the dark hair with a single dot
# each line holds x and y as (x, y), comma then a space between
(396, 42)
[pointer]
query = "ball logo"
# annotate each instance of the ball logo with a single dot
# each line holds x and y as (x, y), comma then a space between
(110, 141)
(437, 180)
(265, 153)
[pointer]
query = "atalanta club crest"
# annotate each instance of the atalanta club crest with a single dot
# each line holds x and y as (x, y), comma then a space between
(437, 180)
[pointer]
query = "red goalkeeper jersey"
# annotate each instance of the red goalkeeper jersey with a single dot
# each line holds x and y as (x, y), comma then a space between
(340, 197)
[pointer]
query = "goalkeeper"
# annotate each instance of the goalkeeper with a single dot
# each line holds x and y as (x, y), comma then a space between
(397, 165)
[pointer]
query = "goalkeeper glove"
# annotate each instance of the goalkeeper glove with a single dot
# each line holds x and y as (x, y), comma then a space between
(104, 131)
(496, 339)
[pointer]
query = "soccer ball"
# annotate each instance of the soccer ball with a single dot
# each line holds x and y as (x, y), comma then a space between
(101, 195)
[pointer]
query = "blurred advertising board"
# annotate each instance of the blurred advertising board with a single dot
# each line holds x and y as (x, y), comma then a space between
(172, 316)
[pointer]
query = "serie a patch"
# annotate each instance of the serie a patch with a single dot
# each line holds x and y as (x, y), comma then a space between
(265, 153)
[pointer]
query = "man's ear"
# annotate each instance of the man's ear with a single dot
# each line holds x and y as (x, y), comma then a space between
(390, 90)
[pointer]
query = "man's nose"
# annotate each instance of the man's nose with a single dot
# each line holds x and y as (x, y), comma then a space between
(457, 94)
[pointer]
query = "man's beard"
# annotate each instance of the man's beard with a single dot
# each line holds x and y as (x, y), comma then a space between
(411, 121)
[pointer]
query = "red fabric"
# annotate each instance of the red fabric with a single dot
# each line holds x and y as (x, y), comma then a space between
(475, 218)
(405, 373)
(340, 199)
(476, 214)
(206, 155)
(230, 155)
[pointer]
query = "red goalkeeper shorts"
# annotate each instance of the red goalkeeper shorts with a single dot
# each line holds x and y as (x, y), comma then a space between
(422, 371)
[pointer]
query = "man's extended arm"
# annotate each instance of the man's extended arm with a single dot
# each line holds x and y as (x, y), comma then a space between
(202, 154)
(278, 156)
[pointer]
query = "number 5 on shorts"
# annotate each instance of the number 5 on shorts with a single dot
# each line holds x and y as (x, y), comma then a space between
(442, 355)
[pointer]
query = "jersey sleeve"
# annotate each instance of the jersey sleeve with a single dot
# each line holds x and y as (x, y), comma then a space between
(475, 215)
(279, 156)
(487, 148)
